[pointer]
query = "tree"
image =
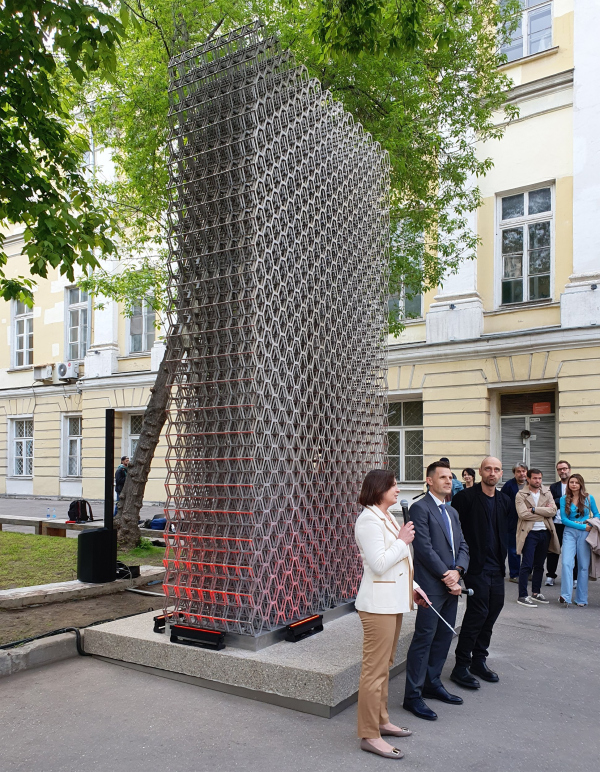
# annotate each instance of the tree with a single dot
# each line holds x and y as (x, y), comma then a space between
(420, 75)
(43, 184)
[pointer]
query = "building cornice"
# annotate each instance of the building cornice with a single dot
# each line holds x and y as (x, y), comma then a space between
(536, 88)
(496, 344)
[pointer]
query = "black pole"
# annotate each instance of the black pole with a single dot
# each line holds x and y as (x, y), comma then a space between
(109, 468)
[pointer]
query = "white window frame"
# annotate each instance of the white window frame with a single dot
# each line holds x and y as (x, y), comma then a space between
(401, 430)
(145, 332)
(12, 455)
(66, 437)
(401, 298)
(523, 221)
(131, 437)
(525, 13)
(84, 305)
(27, 318)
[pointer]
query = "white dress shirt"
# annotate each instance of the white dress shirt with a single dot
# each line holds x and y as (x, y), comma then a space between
(438, 504)
(537, 526)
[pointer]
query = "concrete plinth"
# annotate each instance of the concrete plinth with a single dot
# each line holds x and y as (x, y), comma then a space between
(318, 675)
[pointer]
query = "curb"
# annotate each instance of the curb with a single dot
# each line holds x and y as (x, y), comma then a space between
(37, 653)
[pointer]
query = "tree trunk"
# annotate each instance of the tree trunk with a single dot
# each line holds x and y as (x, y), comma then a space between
(132, 495)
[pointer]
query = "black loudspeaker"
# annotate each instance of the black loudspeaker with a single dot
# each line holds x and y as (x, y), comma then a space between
(97, 556)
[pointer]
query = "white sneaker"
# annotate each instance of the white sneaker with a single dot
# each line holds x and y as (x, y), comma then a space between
(574, 583)
(549, 582)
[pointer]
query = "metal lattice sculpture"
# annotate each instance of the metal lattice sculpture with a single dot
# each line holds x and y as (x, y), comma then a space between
(279, 234)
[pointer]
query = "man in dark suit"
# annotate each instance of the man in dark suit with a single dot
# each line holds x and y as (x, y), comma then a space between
(558, 490)
(440, 558)
(484, 514)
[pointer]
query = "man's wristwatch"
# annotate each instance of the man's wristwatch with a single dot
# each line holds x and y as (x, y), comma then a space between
(533, 510)
(461, 571)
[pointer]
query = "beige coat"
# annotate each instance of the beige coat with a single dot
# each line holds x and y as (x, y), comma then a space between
(544, 512)
(387, 582)
(593, 539)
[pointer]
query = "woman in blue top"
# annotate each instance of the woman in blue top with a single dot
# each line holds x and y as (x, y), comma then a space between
(576, 507)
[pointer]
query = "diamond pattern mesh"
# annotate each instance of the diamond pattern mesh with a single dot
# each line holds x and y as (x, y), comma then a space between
(279, 232)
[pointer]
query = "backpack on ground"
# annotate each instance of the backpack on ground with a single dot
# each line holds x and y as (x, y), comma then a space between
(78, 511)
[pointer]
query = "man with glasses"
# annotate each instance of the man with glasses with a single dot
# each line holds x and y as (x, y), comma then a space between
(559, 489)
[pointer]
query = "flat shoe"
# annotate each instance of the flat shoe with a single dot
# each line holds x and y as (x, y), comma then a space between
(395, 753)
(401, 732)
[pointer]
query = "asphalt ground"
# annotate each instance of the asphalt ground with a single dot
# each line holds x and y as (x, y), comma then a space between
(543, 716)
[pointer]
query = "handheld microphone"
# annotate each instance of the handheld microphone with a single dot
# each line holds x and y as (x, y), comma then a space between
(468, 592)
(404, 505)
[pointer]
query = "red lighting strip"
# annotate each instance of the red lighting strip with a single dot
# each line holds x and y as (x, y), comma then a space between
(303, 621)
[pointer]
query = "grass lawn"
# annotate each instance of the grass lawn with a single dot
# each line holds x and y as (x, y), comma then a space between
(27, 559)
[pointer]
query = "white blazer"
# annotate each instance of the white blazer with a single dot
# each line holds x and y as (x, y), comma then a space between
(387, 582)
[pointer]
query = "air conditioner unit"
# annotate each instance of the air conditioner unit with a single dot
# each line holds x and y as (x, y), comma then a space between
(42, 373)
(67, 371)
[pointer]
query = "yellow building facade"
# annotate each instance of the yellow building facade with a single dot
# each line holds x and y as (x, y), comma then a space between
(505, 358)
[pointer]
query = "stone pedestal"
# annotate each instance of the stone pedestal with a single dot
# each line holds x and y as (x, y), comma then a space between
(455, 317)
(580, 302)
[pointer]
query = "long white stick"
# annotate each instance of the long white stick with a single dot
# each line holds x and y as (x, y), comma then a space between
(441, 617)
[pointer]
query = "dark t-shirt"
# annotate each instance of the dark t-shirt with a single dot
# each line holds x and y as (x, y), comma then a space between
(492, 558)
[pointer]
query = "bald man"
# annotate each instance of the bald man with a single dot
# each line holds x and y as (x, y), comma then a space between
(483, 513)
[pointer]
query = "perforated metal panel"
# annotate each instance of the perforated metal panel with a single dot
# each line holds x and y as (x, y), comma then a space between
(279, 237)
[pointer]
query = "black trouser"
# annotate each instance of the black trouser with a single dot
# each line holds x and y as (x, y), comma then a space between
(552, 559)
(533, 556)
(483, 609)
(429, 646)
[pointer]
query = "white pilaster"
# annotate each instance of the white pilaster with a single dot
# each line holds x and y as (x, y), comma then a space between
(101, 358)
(457, 312)
(580, 304)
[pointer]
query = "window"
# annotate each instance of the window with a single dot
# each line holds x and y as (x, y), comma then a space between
(77, 327)
(22, 447)
(23, 335)
(534, 32)
(135, 429)
(405, 440)
(73, 446)
(526, 246)
(141, 328)
(406, 307)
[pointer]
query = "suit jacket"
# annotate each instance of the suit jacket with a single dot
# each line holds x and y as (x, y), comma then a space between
(545, 510)
(387, 583)
(432, 548)
(472, 512)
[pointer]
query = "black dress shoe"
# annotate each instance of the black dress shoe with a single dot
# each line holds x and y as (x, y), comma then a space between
(462, 677)
(482, 670)
(441, 694)
(419, 709)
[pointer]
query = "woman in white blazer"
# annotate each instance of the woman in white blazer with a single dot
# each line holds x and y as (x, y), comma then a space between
(387, 591)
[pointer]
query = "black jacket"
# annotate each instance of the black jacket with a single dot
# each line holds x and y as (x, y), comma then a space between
(471, 509)
(120, 476)
(432, 548)
(556, 491)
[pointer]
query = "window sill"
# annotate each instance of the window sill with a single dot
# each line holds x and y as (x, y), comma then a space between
(139, 355)
(549, 303)
(529, 58)
(19, 477)
(21, 369)
(70, 479)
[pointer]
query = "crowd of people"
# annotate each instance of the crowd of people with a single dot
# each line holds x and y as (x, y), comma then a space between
(460, 532)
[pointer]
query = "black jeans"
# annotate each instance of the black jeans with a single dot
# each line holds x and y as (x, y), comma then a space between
(429, 646)
(552, 560)
(483, 609)
(533, 556)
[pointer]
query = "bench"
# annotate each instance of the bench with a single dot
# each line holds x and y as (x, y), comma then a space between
(35, 522)
(52, 527)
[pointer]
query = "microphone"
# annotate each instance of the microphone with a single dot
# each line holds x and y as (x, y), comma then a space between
(468, 592)
(404, 505)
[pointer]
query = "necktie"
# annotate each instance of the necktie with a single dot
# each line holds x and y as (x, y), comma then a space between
(448, 528)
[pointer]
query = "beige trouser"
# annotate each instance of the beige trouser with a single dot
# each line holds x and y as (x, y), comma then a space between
(380, 639)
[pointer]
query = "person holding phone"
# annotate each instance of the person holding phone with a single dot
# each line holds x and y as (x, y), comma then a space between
(387, 591)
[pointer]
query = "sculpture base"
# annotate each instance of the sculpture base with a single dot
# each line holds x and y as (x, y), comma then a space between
(317, 675)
